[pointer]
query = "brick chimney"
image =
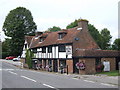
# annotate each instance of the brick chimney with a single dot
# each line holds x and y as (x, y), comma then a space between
(83, 24)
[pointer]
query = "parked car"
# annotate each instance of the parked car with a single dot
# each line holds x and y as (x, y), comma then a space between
(16, 59)
(10, 58)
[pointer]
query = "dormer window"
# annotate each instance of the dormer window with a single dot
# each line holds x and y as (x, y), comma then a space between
(61, 35)
(41, 39)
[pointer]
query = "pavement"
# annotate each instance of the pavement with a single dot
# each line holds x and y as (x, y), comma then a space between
(112, 80)
(16, 63)
(42, 79)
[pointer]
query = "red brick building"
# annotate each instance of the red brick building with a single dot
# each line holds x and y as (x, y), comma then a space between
(72, 49)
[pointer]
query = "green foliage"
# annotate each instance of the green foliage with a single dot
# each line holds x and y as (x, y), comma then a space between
(4, 55)
(73, 24)
(5, 48)
(18, 23)
(102, 38)
(95, 34)
(111, 73)
(116, 44)
(54, 29)
(29, 55)
(106, 37)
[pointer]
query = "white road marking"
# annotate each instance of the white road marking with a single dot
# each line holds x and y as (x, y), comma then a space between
(107, 84)
(13, 73)
(7, 69)
(89, 81)
(75, 78)
(29, 78)
(48, 86)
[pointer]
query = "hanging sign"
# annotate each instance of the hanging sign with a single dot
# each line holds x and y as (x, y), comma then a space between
(68, 50)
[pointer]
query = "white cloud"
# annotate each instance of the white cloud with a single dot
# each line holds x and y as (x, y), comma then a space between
(48, 13)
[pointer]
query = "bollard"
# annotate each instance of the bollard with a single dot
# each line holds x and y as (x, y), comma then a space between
(119, 66)
(21, 65)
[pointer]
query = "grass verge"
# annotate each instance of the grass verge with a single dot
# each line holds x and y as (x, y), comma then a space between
(111, 73)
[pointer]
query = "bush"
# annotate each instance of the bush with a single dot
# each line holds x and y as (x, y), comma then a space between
(99, 68)
(29, 55)
(4, 55)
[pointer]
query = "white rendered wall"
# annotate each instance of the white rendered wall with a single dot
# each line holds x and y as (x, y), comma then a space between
(56, 51)
(62, 54)
(53, 52)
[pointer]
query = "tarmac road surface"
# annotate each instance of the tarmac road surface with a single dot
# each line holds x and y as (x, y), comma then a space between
(14, 77)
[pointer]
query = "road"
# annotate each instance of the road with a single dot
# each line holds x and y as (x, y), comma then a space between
(14, 77)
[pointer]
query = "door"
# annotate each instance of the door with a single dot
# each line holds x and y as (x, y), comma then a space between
(55, 65)
(75, 70)
(117, 63)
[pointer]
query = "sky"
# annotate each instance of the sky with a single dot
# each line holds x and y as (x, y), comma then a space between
(49, 13)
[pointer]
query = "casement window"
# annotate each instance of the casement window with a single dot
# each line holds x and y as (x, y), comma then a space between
(60, 36)
(49, 49)
(44, 50)
(62, 48)
(34, 50)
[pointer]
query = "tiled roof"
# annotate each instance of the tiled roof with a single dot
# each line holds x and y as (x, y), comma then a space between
(97, 53)
(28, 39)
(88, 48)
(52, 38)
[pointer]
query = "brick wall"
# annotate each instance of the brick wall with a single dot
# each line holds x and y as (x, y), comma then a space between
(90, 66)
(112, 63)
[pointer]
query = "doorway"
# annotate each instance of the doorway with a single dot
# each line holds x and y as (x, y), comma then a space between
(55, 65)
(117, 63)
(75, 70)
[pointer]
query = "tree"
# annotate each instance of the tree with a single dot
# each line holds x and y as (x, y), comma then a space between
(116, 44)
(73, 24)
(5, 48)
(54, 29)
(95, 34)
(18, 23)
(106, 37)
(29, 56)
